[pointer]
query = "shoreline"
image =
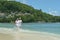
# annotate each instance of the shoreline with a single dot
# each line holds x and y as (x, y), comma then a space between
(10, 34)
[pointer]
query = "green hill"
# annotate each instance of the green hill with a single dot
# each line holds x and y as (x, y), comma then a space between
(10, 10)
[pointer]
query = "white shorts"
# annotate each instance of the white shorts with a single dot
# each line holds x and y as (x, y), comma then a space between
(18, 25)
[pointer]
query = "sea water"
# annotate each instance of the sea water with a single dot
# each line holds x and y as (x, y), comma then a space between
(40, 27)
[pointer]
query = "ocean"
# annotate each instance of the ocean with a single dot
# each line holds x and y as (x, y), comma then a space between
(40, 27)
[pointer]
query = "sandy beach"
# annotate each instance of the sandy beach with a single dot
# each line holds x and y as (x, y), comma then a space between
(27, 35)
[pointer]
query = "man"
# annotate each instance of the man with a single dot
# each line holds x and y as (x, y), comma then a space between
(18, 23)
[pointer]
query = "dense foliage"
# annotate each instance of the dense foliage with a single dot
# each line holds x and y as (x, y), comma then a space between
(10, 10)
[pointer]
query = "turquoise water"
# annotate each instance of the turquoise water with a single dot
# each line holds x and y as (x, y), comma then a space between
(44, 27)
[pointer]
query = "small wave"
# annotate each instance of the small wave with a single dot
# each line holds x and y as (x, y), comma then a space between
(13, 30)
(10, 30)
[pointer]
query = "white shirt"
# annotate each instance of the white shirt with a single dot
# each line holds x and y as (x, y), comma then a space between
(18, 22)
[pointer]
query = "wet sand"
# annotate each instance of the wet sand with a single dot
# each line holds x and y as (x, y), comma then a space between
(28, 36)
(25, 35)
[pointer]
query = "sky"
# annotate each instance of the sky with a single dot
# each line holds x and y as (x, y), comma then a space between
(50, 6)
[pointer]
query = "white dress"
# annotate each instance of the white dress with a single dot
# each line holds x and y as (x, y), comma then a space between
(18, 23)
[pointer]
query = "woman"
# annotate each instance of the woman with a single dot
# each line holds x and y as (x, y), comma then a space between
(18, 23)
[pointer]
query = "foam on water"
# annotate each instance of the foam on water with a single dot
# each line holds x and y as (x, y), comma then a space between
(11, 30)
(16, 33)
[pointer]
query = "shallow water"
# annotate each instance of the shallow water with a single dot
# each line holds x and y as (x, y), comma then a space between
(41, 27)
